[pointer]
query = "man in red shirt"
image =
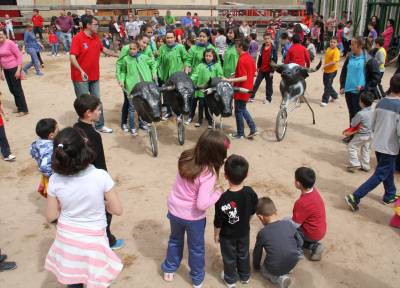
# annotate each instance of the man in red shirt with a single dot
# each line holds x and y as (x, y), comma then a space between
(85, 63)
(244, 77)
(297, 53)
(309, 213)
(267, 54)
(37, 21)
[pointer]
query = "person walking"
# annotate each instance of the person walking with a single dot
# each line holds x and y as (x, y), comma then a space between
(85, 67)
(65, 24)
(37, 22)
(11, 65)
(33, 48)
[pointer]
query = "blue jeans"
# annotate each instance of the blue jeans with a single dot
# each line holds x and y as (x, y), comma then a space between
(195, 240)
(92, 88)
(128, 114)
(384, 172)
(34, 60)
(329, 91)
(240, 113)
(66, 39)
(55, 48)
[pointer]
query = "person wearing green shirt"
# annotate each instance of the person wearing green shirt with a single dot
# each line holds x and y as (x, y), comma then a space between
(169, 20)
(134, 67)
(151, 48)
(196, 52)
(231, 56)
(206, 70)
(171, 58)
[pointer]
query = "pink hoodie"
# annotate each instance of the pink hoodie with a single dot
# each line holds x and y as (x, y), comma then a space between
(190, 200)
(387, 37)
(10, 56)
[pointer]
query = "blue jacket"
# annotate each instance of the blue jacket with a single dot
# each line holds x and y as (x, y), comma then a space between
(42, 150)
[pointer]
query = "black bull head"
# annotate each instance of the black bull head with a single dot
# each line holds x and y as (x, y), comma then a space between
(181, 96)
(146, 99)
(293, 78)
(219, 98)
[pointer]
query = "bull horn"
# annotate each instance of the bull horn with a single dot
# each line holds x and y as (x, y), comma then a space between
(274, 66)
(316, 68)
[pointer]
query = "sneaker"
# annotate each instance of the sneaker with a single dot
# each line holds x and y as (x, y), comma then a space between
(365, 169)
(351, 202)
(323, 104)
(197, 125)
(169, 277)
(227, 284)
(245, 281)
(53, 55)
(118, 244)
(166, 117)
(21, 114)
(40, 73)
(236, 136)
(3, 257)
(6, 266)
(266, 101)
(284, 282)
(316, 254)
(67, 53)
(353, 169)
(252, 134)
(210, 126)
(124, 128)
(10, 158)
(346, 140)
(390, 201)
(144, 127)
(105, 129)
(198, 286)
(251, 100)
(133, 132)
(188, 122)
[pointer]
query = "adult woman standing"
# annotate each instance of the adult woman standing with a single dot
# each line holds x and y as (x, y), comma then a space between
(231, 56)
(11, 64)
(388, 33)
(32, 47)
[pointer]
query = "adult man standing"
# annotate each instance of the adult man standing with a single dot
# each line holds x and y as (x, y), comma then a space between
(187, 23)
(85, 67)
(37, 21)
(65, 24)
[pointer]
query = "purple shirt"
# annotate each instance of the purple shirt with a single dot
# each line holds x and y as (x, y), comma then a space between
(65, 23)
(190, 200)
(372, 34)
(253, 49)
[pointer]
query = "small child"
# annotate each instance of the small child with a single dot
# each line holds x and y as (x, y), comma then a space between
(380, 57)
(233, 212)
(42, 150)
(253, 49)
(53, 40)
(309, 213)
(332, 58)
(4, 146)
(281, 242)
(210, 68)
(9, 27)
(106, 40)
(372, 32)
(311, 48)
(339, 36)
(285, 44)
(362, 137)
(395, 221)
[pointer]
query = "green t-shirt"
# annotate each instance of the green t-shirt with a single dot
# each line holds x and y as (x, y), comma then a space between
(169, 20)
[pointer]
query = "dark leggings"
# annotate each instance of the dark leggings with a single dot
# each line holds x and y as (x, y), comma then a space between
(75, 286)
(40, 58)
(14, 85)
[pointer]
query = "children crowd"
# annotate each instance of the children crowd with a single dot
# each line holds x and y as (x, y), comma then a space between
(79, 190)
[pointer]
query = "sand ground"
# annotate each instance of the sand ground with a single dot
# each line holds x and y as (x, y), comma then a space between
(361, 249)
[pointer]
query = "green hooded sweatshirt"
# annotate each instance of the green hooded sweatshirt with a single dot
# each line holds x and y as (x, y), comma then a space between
(195, 55)
(170, 60)
(203, 73)
(230, 61)
(131, 70)
(151, 49)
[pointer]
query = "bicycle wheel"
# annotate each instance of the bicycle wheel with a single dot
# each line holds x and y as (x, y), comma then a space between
(181, 131)
(153, 140)
(281, 124)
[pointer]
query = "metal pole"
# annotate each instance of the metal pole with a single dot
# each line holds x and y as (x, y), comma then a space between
(335, 17)
(348, 10)
(363, 17)
(324, 9)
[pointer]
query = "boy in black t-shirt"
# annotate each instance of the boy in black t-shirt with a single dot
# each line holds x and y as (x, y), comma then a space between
(232, 222)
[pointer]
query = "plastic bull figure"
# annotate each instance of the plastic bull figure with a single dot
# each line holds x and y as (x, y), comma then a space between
(146, 99)
(293, 84)
(181, 96)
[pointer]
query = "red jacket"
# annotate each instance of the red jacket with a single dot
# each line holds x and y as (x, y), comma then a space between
(37, 21)
(246, 66)
(298, 54)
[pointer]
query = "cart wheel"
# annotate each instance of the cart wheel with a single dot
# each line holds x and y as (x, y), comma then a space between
(181, 131)
(281, 124)
(153, 140)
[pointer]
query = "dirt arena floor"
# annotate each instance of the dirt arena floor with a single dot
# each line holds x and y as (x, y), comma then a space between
(361, 249)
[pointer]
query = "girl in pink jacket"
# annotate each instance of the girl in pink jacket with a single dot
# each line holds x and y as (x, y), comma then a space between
(388, 33)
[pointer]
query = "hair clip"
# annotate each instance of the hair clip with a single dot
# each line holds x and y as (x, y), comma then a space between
(60, 146)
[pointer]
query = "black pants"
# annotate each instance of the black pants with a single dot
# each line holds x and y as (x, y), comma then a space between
(40, 58)
(235, 255)
(75, 286)
(202, 108)
(14, 85)
(268, 85)
(111, 237)
(329, 91)
(38, 30)
(346, 47)
(381, 92)
(4, 147)
(353, 103)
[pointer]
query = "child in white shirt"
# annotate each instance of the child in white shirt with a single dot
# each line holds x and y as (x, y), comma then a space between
(9, 27)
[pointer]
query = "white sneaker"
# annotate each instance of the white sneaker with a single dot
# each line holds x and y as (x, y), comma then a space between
(133, 132)
(124, 128)
(10, 158)
(198, 286)
(223, 279)
(266, 102)
(284, 281)
(53, 55)
(188, 122)
(323, 104)
(105, 129)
